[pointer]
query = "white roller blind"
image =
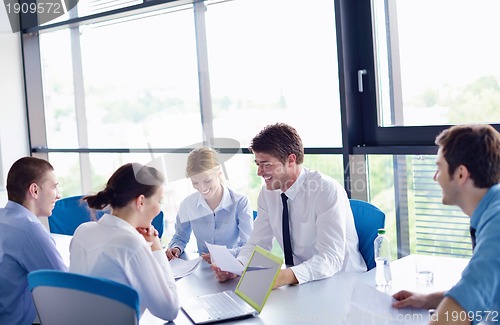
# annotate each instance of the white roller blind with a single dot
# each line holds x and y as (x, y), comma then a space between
(440, 229)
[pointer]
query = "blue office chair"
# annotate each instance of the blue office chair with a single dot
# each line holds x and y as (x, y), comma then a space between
(367, 219)
(63, 298)
(70, 212)
(158, 223)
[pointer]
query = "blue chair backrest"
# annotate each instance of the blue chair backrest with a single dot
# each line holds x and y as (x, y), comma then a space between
(367, 219)
(68, 214)
(158, 223)
(70, 298)
(71, 212)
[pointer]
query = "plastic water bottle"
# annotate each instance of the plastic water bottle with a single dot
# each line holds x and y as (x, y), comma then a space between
(382, 250)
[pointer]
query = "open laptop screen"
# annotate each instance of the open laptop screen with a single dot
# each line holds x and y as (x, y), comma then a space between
(258, 278)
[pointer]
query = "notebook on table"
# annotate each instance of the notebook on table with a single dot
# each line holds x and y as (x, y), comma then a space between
(246, 300)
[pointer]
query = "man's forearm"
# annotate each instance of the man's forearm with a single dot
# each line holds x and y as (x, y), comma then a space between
(449, 312)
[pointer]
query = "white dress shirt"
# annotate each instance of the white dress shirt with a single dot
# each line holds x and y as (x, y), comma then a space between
(322, 232)
(111, 248)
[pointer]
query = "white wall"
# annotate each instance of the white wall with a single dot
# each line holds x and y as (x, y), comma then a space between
(13, 122)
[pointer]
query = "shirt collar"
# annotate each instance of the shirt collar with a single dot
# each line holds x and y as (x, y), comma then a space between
(225, 202)
(22, 209)
(115, 222)
(297, 185)
(492, 194)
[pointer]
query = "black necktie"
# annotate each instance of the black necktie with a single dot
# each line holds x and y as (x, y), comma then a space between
(287, 244)
(473, 237)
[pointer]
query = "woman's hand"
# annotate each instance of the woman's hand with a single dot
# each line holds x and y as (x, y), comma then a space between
(173, 252)
(151, 236)
(206, 257)
(222, 276)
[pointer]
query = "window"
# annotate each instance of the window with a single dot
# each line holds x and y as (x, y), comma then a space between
(116, 86)
(139, 90)
(277, 64)
(440, 229)
(137, 79)
(436, 62)
(138, 85)
(58, 89)
(405, 183)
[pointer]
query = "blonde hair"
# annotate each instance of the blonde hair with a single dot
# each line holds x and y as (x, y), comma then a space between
(201, 160)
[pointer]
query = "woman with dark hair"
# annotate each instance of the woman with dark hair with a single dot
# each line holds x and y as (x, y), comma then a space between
(123, 245)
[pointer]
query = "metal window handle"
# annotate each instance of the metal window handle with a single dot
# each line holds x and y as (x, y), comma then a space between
(360, 79)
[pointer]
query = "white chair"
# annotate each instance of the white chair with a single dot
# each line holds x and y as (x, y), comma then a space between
(63, 298)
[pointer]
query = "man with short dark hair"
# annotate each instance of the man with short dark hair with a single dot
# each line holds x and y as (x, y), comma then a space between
(468, 171)
(25, 244)
(322, 238)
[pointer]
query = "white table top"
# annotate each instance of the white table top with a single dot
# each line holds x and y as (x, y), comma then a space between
(447, 272)
(317, 302)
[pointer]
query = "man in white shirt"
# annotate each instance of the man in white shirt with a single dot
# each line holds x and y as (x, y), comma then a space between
(323, 237)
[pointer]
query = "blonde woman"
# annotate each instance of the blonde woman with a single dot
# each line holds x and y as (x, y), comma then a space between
(215, 213)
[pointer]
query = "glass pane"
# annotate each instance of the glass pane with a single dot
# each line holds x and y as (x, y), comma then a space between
(437, 61)
(331, 165)
(381, 193)
(440, 229)
(274, 61)
(67, 170)
(58, 90)
(142, 88)
(102, 166)
(138, 90)
(434, 228)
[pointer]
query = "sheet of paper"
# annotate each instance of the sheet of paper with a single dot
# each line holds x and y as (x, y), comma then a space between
(181, 268)
(221, 257)
(371, 306)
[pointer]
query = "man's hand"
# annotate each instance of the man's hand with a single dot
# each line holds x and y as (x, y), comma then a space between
(286, 276)
(410, 299)
(222, 276)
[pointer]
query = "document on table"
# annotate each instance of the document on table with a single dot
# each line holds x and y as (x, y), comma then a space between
(371, 306)
(181, 268)
(221, 257)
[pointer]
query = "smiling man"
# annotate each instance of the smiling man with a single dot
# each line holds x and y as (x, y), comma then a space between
(322, 237)
(25, 244)
(468, 172)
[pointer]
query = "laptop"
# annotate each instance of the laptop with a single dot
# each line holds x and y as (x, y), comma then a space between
(247, 300)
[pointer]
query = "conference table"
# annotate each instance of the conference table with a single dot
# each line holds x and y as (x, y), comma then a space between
(327, 301)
